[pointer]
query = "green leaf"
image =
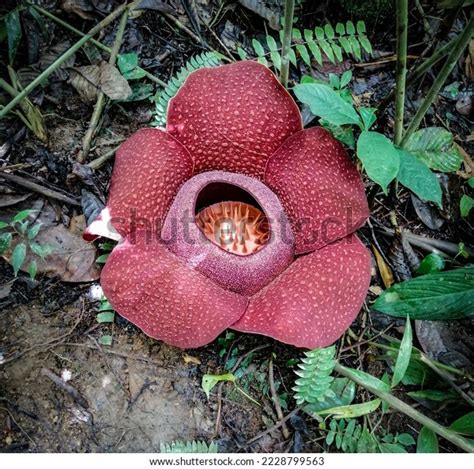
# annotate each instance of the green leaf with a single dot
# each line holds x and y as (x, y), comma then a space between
(209, 381)
(343, 134)
(404, 354)
(346, 78)
(315, 380)
(5, 242)
(368, 379)
(20, 216)
(272, 45)
(464, 424)
(107, 316)
(366, 45)
(14, 33)
(258, 48)
(470, 181)
(437, 296)
(40, 250)
(368, 116)
(431, 263)
(360, 26)
(433, 395)
(3, 225)
(105, 340)
(327, 49)
(242, 54)
(406, 439)
(465, 205)
(105, 306)
(127, 62)
(342, 394)
(18, 257)
(324, 102)
(434, 146)
(352, 411)
(350, 28)
(304, 54)
(140, 91)
(329, 30)
(34, 230)
(416, 176)
(379, 157)
(392, 448)
(427, 441)
(102, 259)
(33, 269)
(188, 447)
(367, 442)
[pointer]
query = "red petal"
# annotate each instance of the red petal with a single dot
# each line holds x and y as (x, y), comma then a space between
(233, 117)
(157, 292)
(149, 169)
(315, 300)
(319, 187)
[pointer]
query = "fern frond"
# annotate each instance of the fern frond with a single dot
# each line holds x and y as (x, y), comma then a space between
(188, 447)
(162, 99)
(314, 383)
(334, 43)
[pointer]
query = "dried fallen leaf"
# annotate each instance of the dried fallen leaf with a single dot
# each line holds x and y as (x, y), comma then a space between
(91, 79)
(470, 61)
(190, 359)
(5, 289)
(81, 8)
(384, 269)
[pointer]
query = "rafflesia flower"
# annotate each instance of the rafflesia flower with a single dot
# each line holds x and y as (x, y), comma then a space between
(234, 216)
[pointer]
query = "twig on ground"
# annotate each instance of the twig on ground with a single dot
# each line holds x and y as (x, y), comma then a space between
(101, 98)
(19, 426)
(73, 392)
(38, 188)
(276, 399)
(274, 427)
(42, 77)
(98, 162)
(439, 246)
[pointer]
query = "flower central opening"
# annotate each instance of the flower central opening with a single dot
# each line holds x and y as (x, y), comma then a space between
(236, 227)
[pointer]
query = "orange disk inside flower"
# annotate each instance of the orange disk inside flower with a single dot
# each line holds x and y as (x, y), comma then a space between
(236, 227)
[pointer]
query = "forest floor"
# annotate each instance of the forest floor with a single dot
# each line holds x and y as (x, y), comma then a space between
(61, 388)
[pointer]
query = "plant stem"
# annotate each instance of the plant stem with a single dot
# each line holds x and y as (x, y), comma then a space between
(453, 57)
(286, 46)
(60, 60)
(99, 105)
(401, 406)
(402, 44)
(96, 43)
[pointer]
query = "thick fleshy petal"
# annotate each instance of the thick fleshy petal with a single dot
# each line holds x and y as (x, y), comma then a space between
(315, 300)
(319, 187)
(149, 169)
(233, 117)
(156, 291)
